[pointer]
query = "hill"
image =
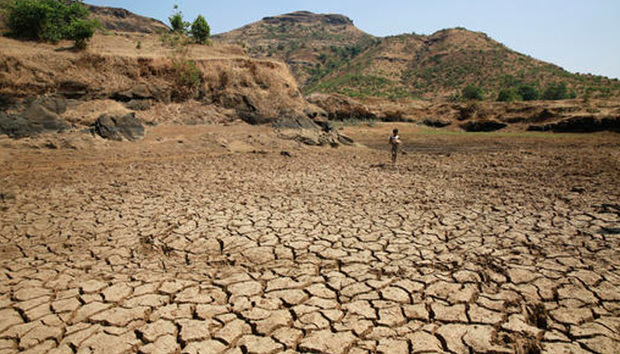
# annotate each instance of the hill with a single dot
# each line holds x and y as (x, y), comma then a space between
(328, 54)
(307, 42)
(117, 19)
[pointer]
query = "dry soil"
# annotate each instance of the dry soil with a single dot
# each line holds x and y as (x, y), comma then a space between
(208, 239)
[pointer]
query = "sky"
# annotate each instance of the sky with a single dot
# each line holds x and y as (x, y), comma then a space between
(582, 36)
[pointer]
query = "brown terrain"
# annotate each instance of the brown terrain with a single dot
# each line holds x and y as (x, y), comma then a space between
(166, 198)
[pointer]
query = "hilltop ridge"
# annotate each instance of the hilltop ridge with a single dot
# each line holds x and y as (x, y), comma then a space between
(328, 53)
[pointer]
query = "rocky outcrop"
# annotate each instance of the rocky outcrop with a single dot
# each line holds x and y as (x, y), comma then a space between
(340, 107)
(40, 116)
(117, 19)
(309, 17)
(119, 128)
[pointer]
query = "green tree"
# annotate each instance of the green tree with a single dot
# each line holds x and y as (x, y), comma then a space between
(528, 93)
(471, 92)
(509, 95)
(200, 30)
(81, 31)
(176, 21)
(556, 91)
(51, 21)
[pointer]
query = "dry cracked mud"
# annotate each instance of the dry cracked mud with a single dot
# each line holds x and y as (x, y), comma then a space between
(459, 248)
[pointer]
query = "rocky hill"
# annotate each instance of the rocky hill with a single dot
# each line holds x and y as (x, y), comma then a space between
(307, 42)
(117, 19)
(327, 53)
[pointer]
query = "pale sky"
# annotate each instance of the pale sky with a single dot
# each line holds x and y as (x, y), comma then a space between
(580, 36)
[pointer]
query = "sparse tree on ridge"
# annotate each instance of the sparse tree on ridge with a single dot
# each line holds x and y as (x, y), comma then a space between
(200, 30)
(176, 21)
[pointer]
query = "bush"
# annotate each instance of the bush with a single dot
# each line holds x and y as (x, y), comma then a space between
(509, 95)
(200, 30)
(471, 92)
(557, 92)
(81, 31)
(51, 21)
(528, 93)
(188, 79)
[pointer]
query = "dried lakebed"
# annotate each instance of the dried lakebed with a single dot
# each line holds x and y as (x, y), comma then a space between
(513, 249)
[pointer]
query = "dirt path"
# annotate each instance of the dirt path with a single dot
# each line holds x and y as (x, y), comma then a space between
(167, 246)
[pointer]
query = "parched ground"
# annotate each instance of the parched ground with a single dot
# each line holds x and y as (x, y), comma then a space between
(205, 240)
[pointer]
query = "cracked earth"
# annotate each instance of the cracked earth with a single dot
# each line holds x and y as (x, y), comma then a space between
(467, 245)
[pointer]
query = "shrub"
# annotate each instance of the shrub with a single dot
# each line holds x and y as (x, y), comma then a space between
(80, 31)
(471, 92)
(51, 21)
(200, 30)
(557, 92)
(509, 95)
(188, 79)
(528, 93)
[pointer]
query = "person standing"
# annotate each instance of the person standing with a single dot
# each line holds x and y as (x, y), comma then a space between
(394, 142)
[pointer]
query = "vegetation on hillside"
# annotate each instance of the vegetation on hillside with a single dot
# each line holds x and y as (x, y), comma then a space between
(341, 59)
(199, 30)
(50, 21)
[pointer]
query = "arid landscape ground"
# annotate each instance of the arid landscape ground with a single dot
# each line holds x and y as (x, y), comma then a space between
(209, 239)
(217, 224)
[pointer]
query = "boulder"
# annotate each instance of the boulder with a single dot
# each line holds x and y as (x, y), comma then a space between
(14, 126)
(137, 92)
(40, 116)
(119, 128)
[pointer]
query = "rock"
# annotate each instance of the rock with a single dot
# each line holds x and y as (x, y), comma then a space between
(340, 107)
(73, 89)
(137, 92)
(138, 105)
(41, 116)
(483, 126)
(126, 127)
(14, 126)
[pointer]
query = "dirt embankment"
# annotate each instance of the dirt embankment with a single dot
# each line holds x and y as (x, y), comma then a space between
(579, 116)
(219, 83)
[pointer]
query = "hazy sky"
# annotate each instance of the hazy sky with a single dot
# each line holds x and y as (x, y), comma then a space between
(578, 35)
